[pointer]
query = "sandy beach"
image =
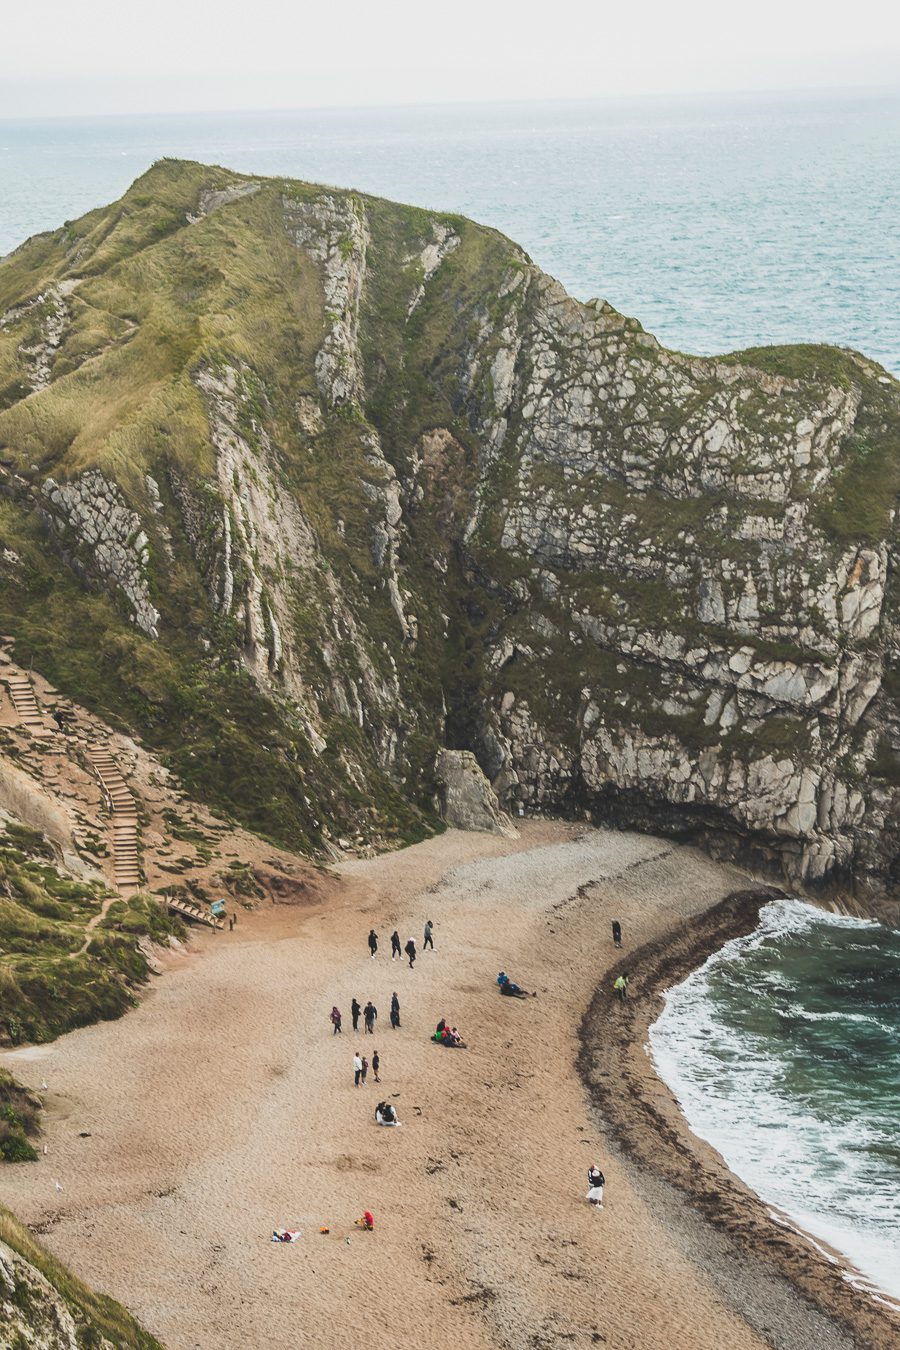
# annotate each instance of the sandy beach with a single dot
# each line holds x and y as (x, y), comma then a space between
(224, 1107)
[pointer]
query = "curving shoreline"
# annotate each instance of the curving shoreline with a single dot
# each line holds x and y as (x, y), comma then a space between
(224, 1106)
(744, 1241)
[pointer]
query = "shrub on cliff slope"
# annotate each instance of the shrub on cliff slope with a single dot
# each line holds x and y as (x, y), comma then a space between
(48, 985)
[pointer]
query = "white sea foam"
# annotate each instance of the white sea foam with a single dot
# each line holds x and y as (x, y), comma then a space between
(782, 1118)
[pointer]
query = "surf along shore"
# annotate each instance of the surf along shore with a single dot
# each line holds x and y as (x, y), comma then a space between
(224, 1107)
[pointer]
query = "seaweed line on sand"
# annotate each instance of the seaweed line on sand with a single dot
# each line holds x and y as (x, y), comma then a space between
(644, 1119)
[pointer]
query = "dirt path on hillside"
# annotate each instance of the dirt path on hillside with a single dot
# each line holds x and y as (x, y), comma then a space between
(224, 1107)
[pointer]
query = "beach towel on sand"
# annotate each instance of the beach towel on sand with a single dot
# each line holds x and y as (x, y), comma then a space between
(286, 1234)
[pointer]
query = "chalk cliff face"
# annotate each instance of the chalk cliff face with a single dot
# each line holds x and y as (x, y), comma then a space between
(303, 485)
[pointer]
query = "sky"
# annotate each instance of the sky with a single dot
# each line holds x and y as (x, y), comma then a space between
(60, 58)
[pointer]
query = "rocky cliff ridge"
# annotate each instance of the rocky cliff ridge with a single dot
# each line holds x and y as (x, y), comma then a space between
(310, 485)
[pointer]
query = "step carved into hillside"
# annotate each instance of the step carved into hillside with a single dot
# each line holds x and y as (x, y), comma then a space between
(126, 864)
(21, 692)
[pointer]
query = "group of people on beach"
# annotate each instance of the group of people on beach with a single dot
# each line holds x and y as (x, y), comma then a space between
(410, 948)
(369, 1016)
(361, 1068)
(446, 1035)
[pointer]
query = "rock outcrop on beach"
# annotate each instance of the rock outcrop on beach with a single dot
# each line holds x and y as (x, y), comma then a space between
(465, 797)
(303, 487)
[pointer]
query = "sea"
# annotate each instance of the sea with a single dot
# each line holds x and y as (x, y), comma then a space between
(783, 1051)
(721, 223)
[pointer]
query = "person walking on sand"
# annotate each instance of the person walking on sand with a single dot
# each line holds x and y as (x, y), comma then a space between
(621, 986)
(336, 1020)
(596, 1182)
(370, 1012)
(429, 936)
(617, 932)
(373, 943)
(376, 1065)
(410, 950)
(396, 949)
(357, 1069)
(365, 1071)
(355, 1010)
(395, 1011)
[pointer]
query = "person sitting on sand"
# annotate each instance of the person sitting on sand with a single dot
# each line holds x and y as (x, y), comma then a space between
(450, 1037)
(367, 1221)
(440, 1026)
(385, 1114)
(596, 1182)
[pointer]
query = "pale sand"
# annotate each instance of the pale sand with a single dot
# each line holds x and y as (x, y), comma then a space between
(224, 1107)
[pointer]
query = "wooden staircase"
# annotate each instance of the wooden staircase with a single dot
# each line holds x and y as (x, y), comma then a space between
(124, 819)
(192, 910)
(21, 691)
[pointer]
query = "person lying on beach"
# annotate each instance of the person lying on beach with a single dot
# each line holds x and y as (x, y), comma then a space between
(285, 1234)
(510, 988)
(385, 1114)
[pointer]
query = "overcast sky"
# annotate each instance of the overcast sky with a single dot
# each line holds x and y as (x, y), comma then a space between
(123, 56)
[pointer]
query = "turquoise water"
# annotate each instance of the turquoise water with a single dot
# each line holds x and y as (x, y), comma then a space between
(784, 1052)
(720, 223)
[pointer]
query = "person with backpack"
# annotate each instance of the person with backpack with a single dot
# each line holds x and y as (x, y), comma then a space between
(596, 1182)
